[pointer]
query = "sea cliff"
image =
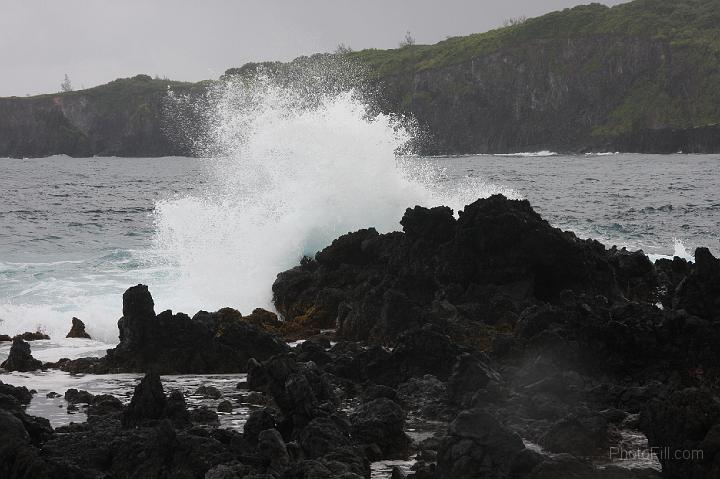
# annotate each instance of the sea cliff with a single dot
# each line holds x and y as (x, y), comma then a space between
(638, 77)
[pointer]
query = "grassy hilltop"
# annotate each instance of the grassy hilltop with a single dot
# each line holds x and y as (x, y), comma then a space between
(641, 76)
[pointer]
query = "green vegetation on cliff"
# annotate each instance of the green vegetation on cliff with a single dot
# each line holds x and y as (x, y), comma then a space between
(680, 22)
(121, 118)
(641, 66)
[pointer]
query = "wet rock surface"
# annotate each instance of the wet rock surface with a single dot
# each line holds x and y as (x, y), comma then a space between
(30, 336)
(77, 330)
(559, 339)
(167, 343)
(74, 396)
(176, 343)
(20, 358)
(488, 346)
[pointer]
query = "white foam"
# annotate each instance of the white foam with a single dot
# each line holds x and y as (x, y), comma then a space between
(529, 154)
(292, 177)
(56, 348)
(679, 250)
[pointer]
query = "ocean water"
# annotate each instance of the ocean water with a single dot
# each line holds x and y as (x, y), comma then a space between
(75, 233)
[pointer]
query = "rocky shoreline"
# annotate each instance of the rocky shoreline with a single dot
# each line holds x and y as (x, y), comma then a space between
(532, 353)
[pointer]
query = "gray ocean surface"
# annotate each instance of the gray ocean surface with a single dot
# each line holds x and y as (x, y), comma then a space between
(73, 231)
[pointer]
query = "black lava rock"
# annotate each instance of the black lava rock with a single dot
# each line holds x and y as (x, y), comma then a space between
(77, 330)
(74, 396)
(20, 358)
(148, 402)
(176, 343)
(381, 422)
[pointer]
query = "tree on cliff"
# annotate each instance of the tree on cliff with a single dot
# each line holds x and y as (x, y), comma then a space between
(343, 49)
(514, 21)
(408, 41)
(66, 84)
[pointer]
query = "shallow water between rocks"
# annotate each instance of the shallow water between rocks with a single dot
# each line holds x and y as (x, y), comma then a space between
(55, 409)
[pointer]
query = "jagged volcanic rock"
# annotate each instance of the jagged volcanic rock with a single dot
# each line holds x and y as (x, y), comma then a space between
(176, 343)
(30, 336)
(77, 330)
(686, 421)
(20, 358)
(479, 446)
(496, 259)
(21, 393)
(148, 402)
(699, 292)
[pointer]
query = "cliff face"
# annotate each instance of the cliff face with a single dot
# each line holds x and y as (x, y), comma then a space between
(122, 118)
(639, 77)
(536, 96)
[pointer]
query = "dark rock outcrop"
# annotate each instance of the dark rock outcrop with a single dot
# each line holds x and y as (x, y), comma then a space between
(154, 437)
(209, 392)
(580, 435)
(104, 405)
(272, 448)
(77, 330)
(176, 343)
(30, 336)
(21, 393)
(20, 358)
(381, 422)
(257, 422)
(20, 436)
(699, 292)
(177, 410)
(148, 403)
(479, 446)
(74, 396)
(531, 329)
(497, 258)
(225, 406)
(323, 435)
(685, 427)
(301, 390)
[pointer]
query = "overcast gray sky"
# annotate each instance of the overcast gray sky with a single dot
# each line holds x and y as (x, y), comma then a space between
(95, 41)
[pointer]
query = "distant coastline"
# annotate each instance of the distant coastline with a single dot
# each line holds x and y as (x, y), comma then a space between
(639, 77)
